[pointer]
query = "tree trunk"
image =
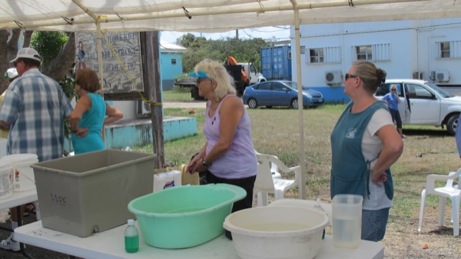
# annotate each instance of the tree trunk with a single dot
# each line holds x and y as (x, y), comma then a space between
(61, 65)
(58, 68)
(3, 59)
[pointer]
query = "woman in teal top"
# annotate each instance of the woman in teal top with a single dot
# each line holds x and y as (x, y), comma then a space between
(90, 114)
(364, 145)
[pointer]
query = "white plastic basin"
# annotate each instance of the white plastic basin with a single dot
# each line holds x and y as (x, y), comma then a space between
(277, 232)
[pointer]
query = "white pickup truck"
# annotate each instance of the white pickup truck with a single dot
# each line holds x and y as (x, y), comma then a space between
(422, 103)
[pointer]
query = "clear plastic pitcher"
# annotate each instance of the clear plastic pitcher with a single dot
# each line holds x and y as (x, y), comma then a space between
(347, 220)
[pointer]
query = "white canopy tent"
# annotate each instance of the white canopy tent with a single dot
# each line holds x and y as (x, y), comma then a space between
(208, 15)
(213, 16)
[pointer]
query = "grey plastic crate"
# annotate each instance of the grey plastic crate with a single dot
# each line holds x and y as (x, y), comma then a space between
(89, 193)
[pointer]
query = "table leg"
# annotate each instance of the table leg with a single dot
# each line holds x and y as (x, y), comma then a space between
(21, 245)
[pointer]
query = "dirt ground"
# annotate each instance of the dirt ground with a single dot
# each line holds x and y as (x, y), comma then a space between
(402, 239)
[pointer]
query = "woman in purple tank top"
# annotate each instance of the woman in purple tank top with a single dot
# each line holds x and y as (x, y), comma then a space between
(228, 155)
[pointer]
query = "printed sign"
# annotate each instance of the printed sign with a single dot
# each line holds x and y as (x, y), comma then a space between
(118, 77)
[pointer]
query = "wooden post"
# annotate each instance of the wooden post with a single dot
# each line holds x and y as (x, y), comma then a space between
(150, 55)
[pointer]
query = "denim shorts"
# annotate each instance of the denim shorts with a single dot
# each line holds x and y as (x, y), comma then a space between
(374, 224)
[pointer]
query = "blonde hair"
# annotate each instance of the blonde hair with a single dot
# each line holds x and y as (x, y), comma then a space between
(371, 76)
(217, 73)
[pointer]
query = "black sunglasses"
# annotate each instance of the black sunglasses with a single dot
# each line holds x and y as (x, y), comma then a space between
(349, 76)
(199, 80)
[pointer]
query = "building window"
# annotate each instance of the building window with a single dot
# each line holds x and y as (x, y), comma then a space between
(449, 49)
(375, 52)
(173, 61)
(444, 49)
(316, 55)
(364, 52)
(326, 55)
(303, 49)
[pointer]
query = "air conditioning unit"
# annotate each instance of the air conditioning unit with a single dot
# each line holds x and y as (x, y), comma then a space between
(418, 75)
(442, 76)
(333, 78)
(142, 109)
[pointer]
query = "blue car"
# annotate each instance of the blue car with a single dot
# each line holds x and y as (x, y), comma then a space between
(280, 93)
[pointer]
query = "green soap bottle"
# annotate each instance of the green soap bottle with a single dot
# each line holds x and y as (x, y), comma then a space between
(131, 237)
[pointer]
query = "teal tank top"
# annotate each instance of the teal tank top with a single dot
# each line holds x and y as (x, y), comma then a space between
(93, 120)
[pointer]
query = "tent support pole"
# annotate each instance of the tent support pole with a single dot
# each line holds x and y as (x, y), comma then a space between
(302, 163)
(101, 72)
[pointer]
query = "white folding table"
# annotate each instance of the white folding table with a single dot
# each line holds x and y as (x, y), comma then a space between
(19, 198)
(110, 244)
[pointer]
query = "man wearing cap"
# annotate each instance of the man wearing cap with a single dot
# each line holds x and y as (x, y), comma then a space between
(34, 110)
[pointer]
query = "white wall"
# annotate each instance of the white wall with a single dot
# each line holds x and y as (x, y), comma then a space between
(127, 107)
(411, 47)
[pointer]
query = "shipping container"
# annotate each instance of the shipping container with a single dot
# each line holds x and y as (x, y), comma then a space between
(276, 62)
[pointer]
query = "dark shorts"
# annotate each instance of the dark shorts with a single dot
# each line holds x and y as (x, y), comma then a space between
(246, 183)
(396, 118)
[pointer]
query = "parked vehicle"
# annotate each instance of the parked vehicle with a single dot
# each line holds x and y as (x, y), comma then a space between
(280, 93)
(253, 75)
(276, 62)
(244, 74)
(423, 103)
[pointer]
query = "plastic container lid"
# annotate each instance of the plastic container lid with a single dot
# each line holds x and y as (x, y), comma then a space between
(130, 222)
(21, 158)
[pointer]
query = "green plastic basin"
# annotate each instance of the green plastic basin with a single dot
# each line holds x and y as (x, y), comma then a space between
(184, 216)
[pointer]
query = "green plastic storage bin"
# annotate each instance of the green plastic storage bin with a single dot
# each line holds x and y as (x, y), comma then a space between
(184, 216)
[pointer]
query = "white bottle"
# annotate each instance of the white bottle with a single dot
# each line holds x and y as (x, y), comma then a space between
(131, 237)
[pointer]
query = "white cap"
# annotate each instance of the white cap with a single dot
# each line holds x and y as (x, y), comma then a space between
(11, 73)
(130, 222)
(28, 53)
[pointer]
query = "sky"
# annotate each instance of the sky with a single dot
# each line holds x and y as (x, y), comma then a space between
(275, 33)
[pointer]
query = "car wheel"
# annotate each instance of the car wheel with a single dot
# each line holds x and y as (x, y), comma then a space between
(294, 103)
(452, 124)
(252, 103)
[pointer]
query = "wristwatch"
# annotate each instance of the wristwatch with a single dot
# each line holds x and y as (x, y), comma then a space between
(206, 164)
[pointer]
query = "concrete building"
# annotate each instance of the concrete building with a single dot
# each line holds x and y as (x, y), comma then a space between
(425, 49)
(170, 63)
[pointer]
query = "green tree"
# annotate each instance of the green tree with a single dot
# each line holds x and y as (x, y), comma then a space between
(48, 44)
(56, 67)
(198, 48)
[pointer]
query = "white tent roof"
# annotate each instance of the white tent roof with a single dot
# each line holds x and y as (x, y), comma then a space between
(208, 15)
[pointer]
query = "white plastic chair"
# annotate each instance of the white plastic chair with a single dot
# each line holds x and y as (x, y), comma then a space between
(274, 168)
(448, 191)
(265, 182)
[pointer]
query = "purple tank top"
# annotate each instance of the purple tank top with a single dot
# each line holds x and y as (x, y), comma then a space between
(240, 160)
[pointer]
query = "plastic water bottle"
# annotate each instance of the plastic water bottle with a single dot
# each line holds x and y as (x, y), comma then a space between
(131, 237)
